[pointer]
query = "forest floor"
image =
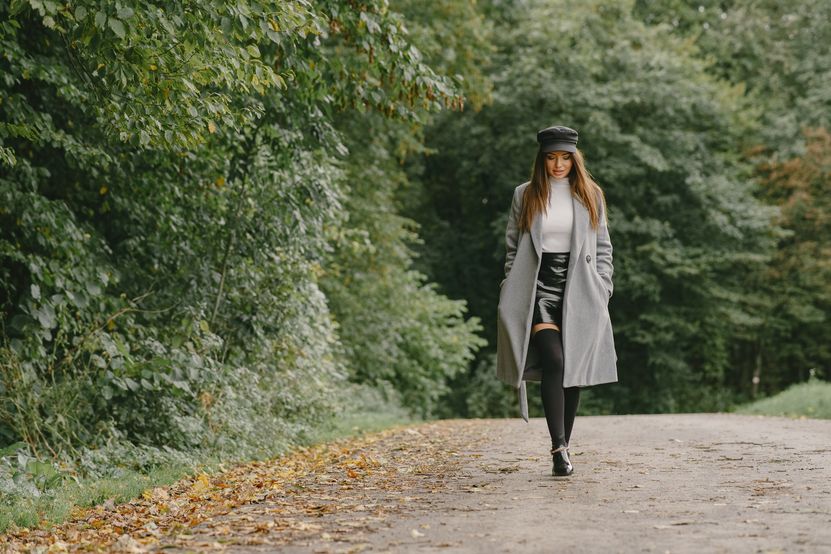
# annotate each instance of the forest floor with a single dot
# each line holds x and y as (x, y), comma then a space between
(642, 483)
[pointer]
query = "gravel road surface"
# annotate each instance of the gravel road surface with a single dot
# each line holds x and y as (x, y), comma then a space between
(696, 483)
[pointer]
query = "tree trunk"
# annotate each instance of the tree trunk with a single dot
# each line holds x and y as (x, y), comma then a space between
(757, 370)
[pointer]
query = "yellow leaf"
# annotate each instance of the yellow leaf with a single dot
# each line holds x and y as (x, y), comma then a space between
(57, 546)
(211, 127)
(201, 484)
(103, 190)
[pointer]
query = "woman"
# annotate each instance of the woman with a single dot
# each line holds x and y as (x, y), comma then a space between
(553, 318)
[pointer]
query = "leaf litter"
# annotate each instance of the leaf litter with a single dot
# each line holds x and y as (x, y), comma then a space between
(338, 491)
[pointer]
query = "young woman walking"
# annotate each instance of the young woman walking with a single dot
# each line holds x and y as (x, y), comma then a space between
(553, 318)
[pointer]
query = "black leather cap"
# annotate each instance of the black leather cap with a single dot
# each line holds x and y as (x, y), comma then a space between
(557, 138)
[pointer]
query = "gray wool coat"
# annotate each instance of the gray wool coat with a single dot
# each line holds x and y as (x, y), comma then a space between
(588, 343)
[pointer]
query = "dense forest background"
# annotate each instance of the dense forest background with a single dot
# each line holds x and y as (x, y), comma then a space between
(225, 224)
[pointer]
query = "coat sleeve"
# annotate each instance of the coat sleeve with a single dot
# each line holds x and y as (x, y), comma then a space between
(511, 235)
(604, 249)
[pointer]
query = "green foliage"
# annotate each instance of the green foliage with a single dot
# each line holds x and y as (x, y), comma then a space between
(771, 51)
(455, 38)
(397, 331)
(798, 282)
(174, 184)
(485, 396)
(396, 328)
(809, 399)
(770, 48)
(171, 76)
(20, 472)
(662, 137)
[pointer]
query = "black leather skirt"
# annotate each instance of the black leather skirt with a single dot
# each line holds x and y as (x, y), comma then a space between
(551, 286)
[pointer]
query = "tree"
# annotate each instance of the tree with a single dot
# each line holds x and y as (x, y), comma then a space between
(173, 179)
(796, 337)
(777, 52)
(662, 138)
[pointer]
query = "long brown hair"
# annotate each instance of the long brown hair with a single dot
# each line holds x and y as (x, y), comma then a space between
(535, 196)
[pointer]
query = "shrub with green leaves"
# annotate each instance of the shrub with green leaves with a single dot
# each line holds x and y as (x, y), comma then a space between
(173, 183)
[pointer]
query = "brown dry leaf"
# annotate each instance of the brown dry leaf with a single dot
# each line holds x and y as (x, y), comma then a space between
(298, 496)
(156, 494)
(126, 543)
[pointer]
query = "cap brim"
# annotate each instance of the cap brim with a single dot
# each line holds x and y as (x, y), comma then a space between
(552, 146)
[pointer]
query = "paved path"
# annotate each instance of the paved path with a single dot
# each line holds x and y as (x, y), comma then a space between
(696, 483)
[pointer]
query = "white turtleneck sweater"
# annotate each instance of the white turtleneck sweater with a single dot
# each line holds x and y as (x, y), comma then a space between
(557, 222)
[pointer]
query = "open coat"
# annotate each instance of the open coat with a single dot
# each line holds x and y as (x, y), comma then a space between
(588, 344)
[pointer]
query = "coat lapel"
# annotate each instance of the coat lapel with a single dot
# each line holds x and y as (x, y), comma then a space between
(578, 229)
(536, 235)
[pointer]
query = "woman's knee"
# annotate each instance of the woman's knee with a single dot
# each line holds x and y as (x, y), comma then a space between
(540, 326)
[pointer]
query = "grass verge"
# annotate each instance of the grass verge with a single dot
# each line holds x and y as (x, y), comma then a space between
(61, 503)
(809, 399)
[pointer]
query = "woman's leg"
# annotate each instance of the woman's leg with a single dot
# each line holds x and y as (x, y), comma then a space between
(550, 346)
(572, 401)
(571, 395)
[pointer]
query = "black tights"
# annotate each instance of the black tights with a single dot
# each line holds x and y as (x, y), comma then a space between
(560, 403)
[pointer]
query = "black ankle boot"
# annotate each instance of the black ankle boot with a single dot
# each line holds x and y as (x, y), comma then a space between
(562, 465)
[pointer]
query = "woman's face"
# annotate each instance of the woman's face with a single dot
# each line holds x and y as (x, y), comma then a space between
(558, 163)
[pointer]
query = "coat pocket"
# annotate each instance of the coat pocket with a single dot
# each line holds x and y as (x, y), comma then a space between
(601, 286)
